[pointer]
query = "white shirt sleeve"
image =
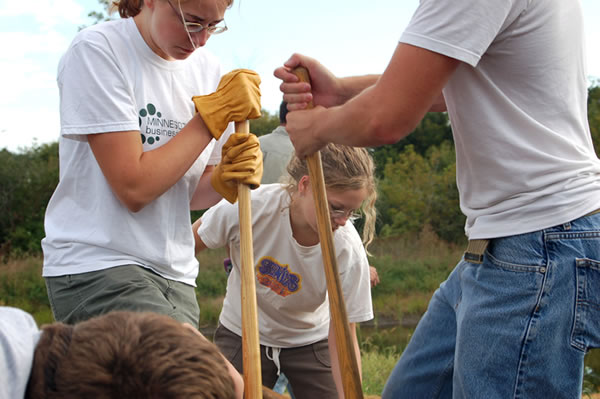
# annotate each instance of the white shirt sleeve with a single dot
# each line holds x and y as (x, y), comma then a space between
(88, 68)
(220, 225)
(354, 275)
(19, 336)
(461, 29)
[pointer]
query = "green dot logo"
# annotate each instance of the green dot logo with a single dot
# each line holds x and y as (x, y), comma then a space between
(149, 111)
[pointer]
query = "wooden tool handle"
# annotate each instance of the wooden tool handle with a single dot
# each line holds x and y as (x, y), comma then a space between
(337, 306)
(250, 339)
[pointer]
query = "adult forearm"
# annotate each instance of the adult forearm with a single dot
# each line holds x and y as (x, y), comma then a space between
(137, 177)
(205, 195)
(362, 122)
(350, 87)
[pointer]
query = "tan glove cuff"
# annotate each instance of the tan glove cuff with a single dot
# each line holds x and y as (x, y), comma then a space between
(213, 112)
(227, 189)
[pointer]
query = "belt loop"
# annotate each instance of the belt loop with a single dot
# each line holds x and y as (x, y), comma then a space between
(475, 251)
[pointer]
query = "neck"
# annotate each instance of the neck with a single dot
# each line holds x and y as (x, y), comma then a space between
(302, 232)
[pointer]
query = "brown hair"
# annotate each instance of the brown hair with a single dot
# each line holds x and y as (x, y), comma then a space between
(127, 355)
(131, 8)
(344, 168)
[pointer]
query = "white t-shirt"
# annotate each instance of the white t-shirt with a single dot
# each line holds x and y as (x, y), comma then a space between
(110, 80)
(19, 336)
(517, 105)
(291, 289)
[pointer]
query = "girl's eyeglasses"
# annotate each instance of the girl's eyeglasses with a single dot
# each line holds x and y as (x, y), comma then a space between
(351, 215)
(195, 27)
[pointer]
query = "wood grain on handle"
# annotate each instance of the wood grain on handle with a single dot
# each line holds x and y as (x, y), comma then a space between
(250, 339)
(337, 306)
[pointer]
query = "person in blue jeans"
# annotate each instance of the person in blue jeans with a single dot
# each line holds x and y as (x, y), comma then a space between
(521, 309)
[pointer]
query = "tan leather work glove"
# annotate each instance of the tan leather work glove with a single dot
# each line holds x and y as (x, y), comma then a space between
(237, 99)
(241, 162)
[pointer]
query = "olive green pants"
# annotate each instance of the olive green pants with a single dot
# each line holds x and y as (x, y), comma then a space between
(78, 297)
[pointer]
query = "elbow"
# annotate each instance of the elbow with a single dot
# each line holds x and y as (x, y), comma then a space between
(133, 200)
(133, 205)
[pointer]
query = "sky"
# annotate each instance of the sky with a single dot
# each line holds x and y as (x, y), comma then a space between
(349, 37)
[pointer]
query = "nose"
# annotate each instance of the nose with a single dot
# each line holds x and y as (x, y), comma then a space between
(200, 38)
(340, 220)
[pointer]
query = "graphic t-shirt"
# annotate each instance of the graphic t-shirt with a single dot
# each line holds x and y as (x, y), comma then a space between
(291, 289)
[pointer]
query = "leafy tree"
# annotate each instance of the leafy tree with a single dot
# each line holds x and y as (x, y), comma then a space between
(433, 130)
(100, 16)
(28, 180)
(419, 190)
(265, 124)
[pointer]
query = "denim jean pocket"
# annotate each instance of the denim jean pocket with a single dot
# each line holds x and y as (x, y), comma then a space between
(586, 327)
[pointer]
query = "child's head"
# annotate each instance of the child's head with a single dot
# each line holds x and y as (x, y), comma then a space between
(127, 355)
(345, 169)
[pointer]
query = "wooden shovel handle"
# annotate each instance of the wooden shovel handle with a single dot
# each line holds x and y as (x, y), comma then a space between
(337, 307)
(250, 340)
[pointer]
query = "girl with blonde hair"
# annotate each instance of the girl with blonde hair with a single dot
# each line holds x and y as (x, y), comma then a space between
(293, 311)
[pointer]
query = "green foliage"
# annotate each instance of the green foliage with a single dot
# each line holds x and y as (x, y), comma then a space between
(376, 367)
(591, 376)
(99, 16)
(417, 190)
(210, 285)
(28, 180)
(410, 268)
(432, 131)
(594, 114)
(22, 286)
(265, 124)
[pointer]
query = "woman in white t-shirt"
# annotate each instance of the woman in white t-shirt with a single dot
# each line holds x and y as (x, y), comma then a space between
(135, 158)
(293, 310)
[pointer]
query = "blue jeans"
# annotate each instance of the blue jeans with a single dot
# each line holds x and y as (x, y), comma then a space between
(516, 326)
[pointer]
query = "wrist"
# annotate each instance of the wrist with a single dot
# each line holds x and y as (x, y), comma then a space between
(200, 126)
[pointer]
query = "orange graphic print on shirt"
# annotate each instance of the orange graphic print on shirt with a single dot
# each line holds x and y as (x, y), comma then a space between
(277, 277)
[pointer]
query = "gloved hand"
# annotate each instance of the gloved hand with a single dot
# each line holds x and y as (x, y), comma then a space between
(237, 99)
(241, 162)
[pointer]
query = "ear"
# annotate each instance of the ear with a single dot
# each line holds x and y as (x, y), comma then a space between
(304, 184)
(149, 3)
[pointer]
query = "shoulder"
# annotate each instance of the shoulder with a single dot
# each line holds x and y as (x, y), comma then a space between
(16, 319)
(348, 243)
(270, 196)
(278, 139)
(104, 33)
(348, 234)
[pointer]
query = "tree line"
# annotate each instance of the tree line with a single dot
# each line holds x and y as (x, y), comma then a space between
(417, 183)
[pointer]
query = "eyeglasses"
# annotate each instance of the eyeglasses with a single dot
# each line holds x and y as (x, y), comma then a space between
(195, 27)
(351, 214)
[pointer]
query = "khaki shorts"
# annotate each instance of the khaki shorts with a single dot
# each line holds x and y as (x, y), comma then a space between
(78, 297)
(308, 368)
